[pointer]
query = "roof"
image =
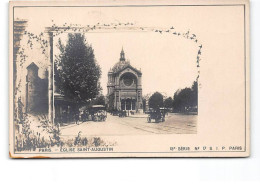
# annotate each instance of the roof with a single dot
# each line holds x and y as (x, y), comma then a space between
(61, 98)
(97, 106)
(120, 69)
(120, 65)
(32, 65)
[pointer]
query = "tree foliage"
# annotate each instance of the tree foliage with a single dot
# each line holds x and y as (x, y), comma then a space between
(186, 98)
(156, 100)
(100, 100)
(110, 104)
(77, 73)
(168, 102)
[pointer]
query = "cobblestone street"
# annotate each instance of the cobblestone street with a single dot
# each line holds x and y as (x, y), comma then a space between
(134, 125)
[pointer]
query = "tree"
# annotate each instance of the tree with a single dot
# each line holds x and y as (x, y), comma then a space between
(156, 100)
(194, 98)
(168, 102)
(110, 104)
(185, 98)
(77, 73)
(100, 100)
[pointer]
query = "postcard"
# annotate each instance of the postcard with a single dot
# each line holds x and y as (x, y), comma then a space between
(129, 79)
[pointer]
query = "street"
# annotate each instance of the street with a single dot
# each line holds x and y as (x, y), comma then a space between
(134, 125)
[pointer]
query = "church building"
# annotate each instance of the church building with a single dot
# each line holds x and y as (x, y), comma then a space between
(124, 87)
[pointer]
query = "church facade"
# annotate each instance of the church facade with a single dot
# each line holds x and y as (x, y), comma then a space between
(124, 87)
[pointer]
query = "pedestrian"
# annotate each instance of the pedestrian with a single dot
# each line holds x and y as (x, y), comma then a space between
(76, 117)
(58, 126)
(64, 117)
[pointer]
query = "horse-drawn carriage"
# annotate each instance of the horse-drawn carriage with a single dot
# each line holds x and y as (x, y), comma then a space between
(93, 113)
(98, 113)
(119, 113)
(114, 112)
(122, 114)
(158, 115)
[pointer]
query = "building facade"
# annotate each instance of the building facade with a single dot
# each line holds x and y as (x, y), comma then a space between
(36, 90)
(124, 87)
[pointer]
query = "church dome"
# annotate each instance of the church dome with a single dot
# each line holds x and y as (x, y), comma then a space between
(122, 63)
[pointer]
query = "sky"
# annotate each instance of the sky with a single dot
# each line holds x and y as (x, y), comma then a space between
(167, 62)
(165, 65)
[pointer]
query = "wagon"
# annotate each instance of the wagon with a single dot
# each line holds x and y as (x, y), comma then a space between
(157, 116)
(98, 113)
(122, 114)
(114, 112)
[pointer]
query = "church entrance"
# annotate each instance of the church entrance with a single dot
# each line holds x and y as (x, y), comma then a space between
(128, 104)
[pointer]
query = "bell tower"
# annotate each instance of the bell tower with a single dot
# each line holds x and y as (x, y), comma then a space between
(122, 55)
